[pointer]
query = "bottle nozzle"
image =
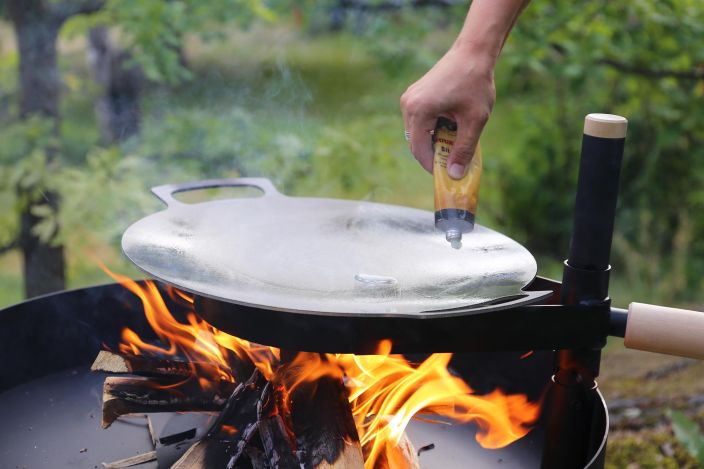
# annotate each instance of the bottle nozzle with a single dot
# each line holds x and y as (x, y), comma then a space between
(454, 237)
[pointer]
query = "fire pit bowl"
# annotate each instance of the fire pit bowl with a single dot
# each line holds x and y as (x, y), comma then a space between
(50, 403)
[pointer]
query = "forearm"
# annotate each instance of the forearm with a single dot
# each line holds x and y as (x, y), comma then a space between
(460, 86)
(486, 28)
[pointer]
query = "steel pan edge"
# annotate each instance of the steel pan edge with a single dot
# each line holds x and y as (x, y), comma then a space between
(145, 249)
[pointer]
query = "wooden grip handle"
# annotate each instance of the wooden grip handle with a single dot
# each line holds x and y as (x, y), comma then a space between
(665, 330)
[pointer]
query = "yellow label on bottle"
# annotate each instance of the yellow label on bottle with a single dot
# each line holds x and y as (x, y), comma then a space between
(458, 194)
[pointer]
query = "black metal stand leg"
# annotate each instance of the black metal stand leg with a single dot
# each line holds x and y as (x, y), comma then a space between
(570, 401)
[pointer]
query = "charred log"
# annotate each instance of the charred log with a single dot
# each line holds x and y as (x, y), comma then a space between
(226, 441)
(257, 458)
(324, 427)
(311, 427)
(278, 444)
(127, 395)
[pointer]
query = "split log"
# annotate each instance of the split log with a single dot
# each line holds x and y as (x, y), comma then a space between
(226, 441)
(131, 461)
(324, 427)
(140, 365)
(152, 434)
(278, 444)
(257, 458)
(314, 429)
(399, 456)
(127, 395)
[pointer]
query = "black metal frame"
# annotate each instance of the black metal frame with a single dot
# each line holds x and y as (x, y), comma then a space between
(523, 328)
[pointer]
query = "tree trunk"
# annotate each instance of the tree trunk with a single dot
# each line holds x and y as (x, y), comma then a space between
(117, 108)
(37, 32)
(37, 24)
(44, 264)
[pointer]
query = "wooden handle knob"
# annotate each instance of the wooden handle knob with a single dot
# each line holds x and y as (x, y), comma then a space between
(605, 125)
(665, 330)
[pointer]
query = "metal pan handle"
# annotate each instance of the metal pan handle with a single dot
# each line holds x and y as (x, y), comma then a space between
(166, 192)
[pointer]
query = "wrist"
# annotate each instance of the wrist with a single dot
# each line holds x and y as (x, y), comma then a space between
(481, 57)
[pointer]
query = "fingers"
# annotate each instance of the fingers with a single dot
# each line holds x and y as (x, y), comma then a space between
(422, 141)
(419, 124)
(469, 128)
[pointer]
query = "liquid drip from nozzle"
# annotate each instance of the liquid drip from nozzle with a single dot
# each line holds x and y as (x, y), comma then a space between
(454, 237)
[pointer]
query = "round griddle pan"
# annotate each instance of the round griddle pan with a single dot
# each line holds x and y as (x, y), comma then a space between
(328, 259)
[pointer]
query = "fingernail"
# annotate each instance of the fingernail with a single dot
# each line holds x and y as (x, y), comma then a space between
(456, 170)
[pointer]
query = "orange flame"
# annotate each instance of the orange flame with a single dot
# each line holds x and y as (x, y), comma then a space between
(197, 340)
(385, 391)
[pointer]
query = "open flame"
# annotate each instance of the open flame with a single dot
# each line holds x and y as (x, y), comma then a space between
(385, 391)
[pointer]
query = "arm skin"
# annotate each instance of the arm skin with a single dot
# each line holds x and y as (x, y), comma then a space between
(460, 85)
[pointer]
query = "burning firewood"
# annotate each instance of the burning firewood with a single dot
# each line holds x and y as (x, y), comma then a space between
(228, 437)
(278, 444)
(298, 416)
(322, 422)
(309, 425)
(111, 362)
(128, 395)
(399, 456)
(312, 427)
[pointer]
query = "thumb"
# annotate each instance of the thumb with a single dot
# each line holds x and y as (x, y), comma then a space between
(468, 132)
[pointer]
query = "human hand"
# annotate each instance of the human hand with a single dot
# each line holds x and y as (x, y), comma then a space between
(460, 87)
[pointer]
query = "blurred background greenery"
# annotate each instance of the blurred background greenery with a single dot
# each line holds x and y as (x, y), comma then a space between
(306, 93)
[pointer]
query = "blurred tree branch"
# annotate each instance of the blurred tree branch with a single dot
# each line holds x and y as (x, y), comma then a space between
(14, 244)
(695, 74)
(24, 10)
(64, 10)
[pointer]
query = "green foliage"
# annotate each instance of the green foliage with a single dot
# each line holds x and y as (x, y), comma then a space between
(643, 449)
(638, 59)
(25, 174)
(201, 140)
(394, 39)
(338, 161)
(107, 193)
(356, 160)
(689, 434)
(156, 30)
(209, 145)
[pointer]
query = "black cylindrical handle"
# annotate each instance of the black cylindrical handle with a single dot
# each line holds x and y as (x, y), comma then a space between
(597, 191)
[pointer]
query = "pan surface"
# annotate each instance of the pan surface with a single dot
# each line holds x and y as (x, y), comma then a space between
(322, 256)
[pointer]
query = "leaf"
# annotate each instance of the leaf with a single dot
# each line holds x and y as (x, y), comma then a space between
(688, 433)
(41, 211)
(46, 229)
